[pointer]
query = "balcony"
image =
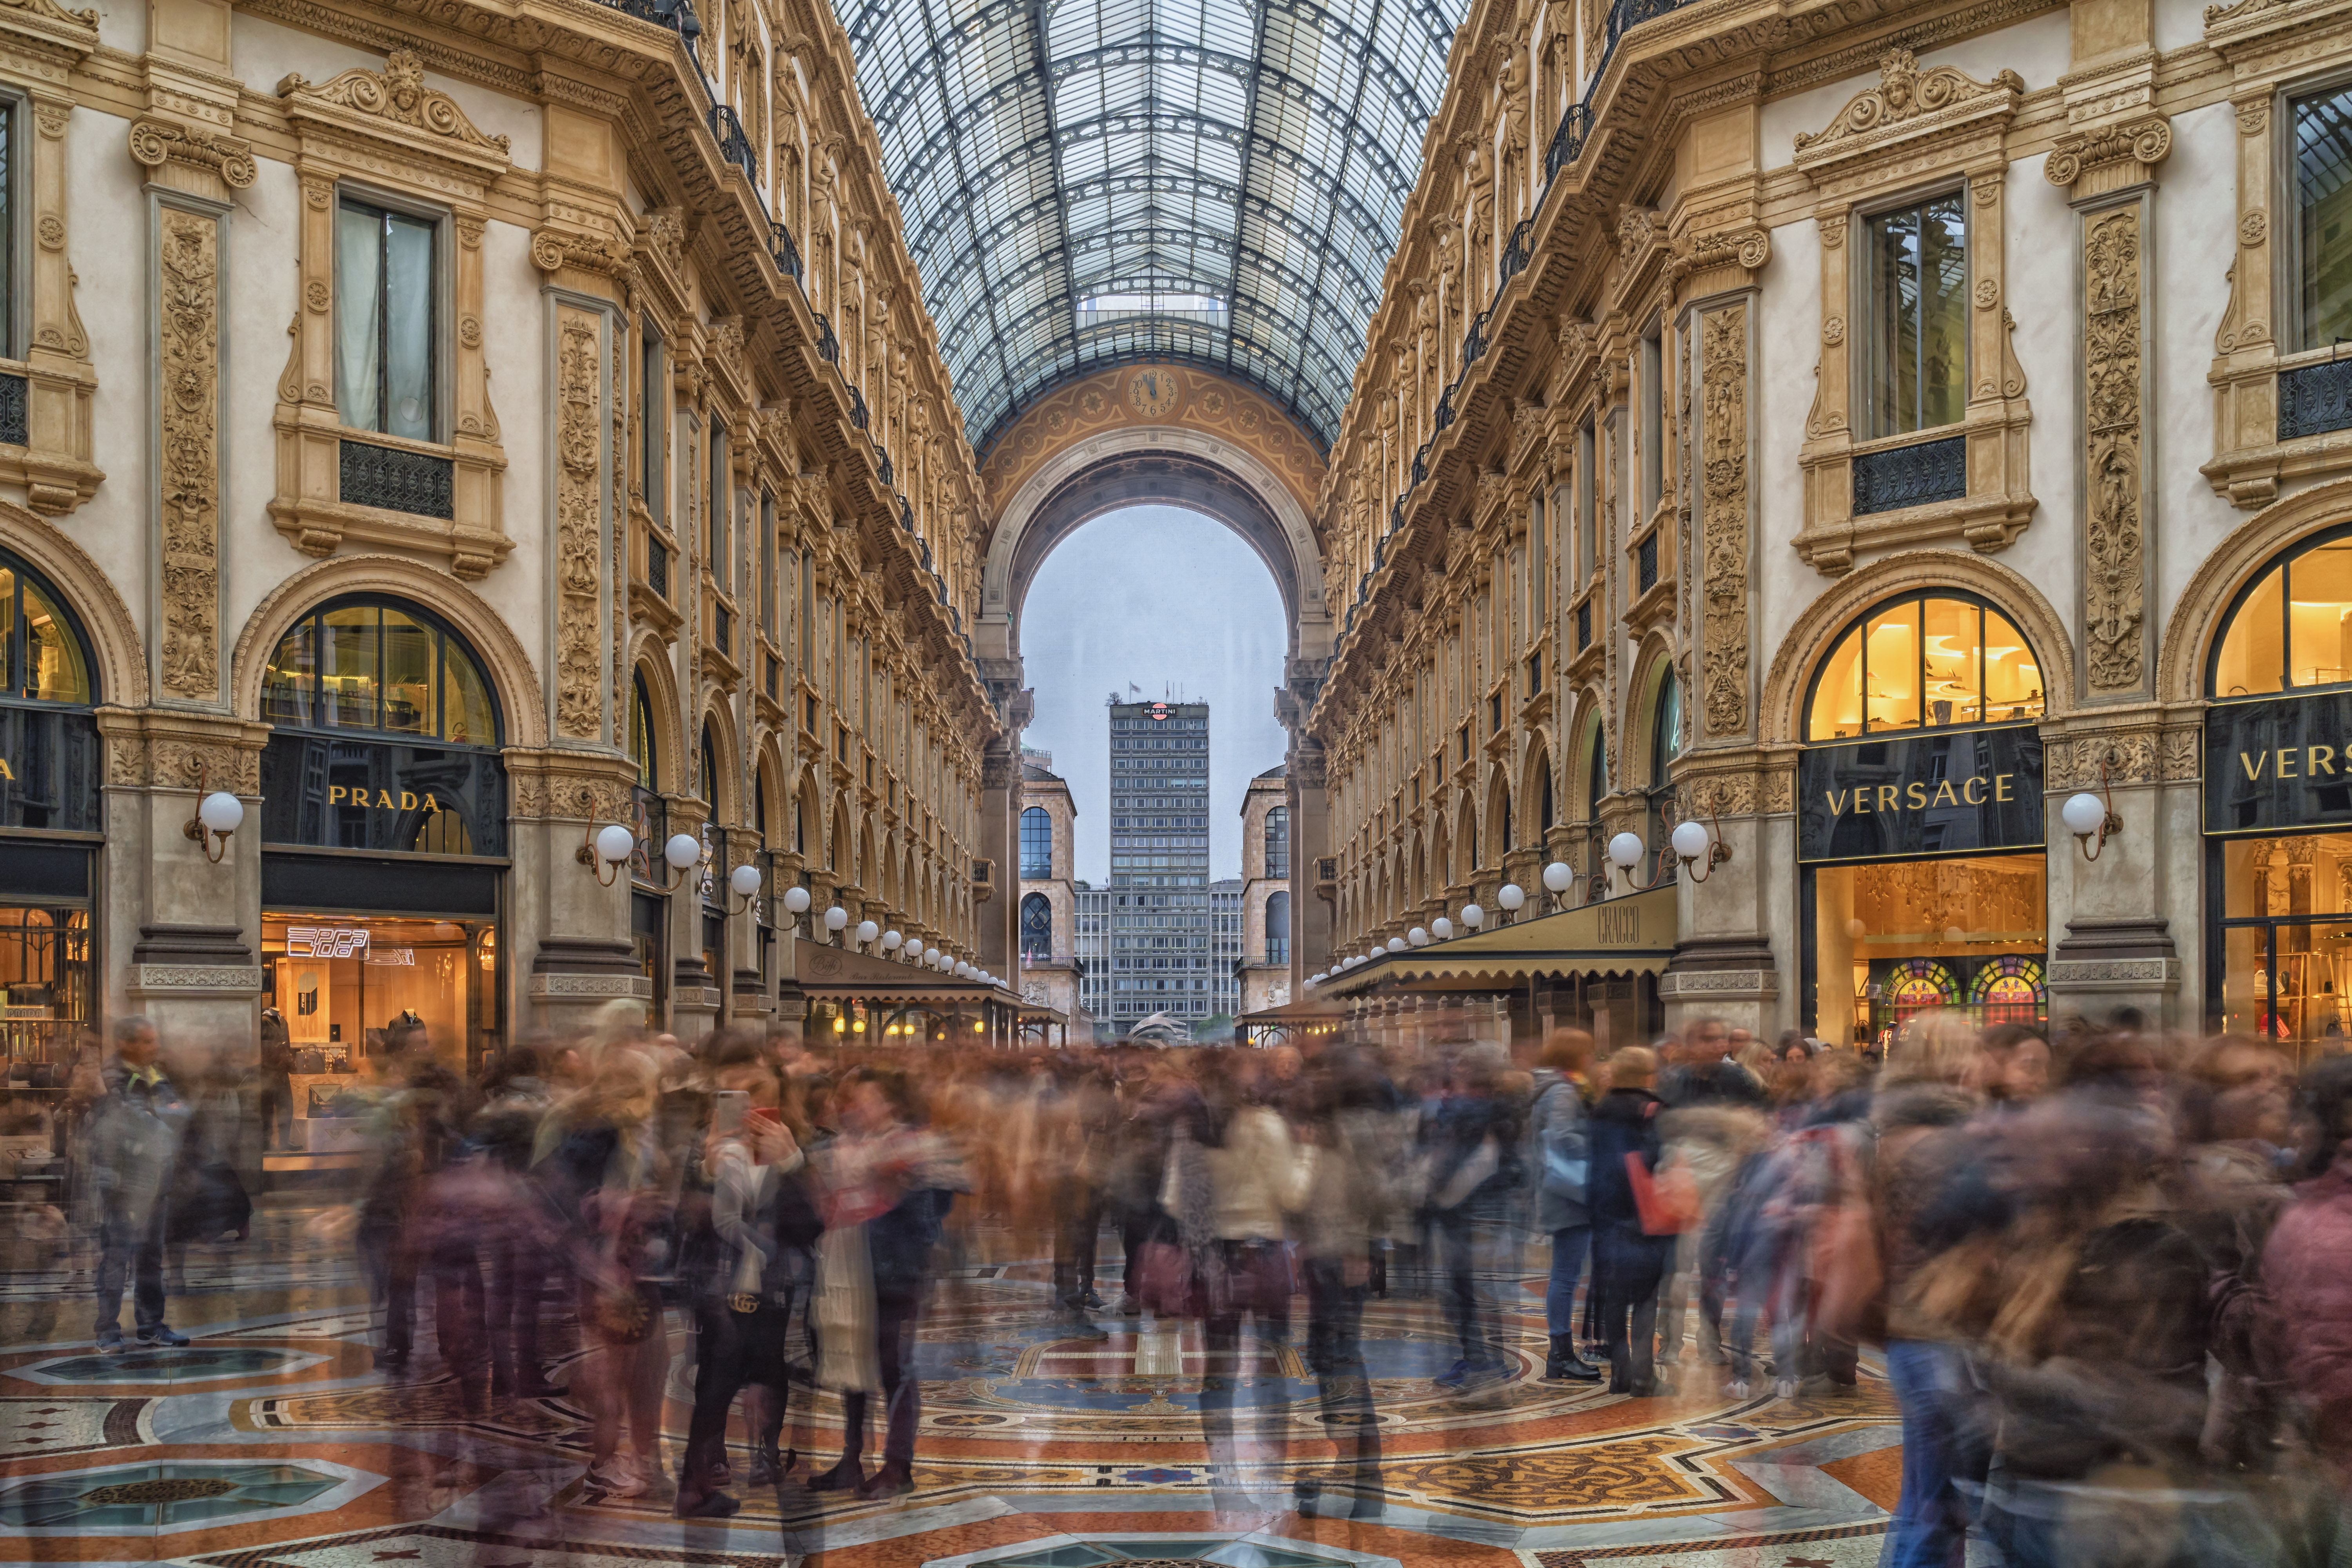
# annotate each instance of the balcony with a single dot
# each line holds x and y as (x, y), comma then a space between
(734, 147)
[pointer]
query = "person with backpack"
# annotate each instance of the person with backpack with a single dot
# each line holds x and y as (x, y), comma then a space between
(1559, 1163)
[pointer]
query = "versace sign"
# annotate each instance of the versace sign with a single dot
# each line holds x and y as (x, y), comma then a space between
(2279, 766)
(1953, 792)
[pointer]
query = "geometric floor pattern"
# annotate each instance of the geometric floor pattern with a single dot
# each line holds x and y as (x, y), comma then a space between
(273, 1440)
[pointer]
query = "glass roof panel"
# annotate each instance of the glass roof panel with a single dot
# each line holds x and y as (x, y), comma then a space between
(1259, 151)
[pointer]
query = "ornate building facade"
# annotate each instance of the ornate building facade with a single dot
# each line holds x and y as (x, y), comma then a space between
(1048, 912)
(1856, 433)
(606, 474)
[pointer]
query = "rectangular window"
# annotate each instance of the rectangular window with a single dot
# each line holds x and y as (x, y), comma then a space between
(767, 564)
(385, 300)
(2323, 191)
(8, 344)
(1586, 555)
(1918, 341)
(653, 424)
(1653, 425)
(1536, 556)
(721, 563)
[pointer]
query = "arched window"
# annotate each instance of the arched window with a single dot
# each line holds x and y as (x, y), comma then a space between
(1596, 789)
(1665, 745)
(1277, 842)
(1037, 928)
(2290, 629)
(709, 759)
(379, 665)
(1277, 928)
(641, 732)
(1037, 845)
(48, 683)
(1925, 661)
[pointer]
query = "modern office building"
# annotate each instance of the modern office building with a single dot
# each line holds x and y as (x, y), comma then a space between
(1160, 959)
(1226, 898)
(1093, 943)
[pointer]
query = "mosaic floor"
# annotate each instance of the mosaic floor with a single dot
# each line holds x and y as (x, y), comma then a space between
(272, 1439)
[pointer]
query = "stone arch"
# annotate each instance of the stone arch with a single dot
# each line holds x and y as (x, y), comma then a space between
(769, 775)
(1782, 718)
(523, 705)
(646, 658)
(840, 850)
(1417, 890)
(804, 830)
(1465, 837)
(1535, 774)
(1653, 662)
(1591, 733)
(2197, 615)
(1441, 856)
(1502, 822)
(723, 793)
(115, 643)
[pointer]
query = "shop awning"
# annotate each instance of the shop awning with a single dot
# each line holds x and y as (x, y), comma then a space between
(1290, 1018)
(839, 974)
(1631, 935)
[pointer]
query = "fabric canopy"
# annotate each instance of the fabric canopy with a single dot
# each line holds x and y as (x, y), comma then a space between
(1631, 935)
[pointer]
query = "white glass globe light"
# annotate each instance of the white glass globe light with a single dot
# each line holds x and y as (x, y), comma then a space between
(1690, 839)
(796, 900)
(1473, 916)
(868, 931)
(744, 880)
(220, 812)
(1559, 876)
(891, 941)
(1625, 851)
(1442, 929)
(613, 843)
(963, 970)
(1510, 895)
(2084, 814)
(836, 918)
(1396, 944)
(682, 850)
(1418, 936)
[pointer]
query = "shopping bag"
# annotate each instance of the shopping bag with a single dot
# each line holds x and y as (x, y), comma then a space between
(1667, 1202)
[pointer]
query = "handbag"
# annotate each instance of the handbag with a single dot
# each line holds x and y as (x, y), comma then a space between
(1164, 1279)
(1567, 1161)
(1668, 1201)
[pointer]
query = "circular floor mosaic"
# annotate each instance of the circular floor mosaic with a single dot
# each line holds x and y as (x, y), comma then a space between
(194, 1364)
(147, 1497)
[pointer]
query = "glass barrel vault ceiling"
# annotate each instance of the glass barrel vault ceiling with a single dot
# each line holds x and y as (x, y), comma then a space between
(1050, 153)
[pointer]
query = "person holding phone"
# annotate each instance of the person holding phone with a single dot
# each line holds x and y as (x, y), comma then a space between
(745, 1299)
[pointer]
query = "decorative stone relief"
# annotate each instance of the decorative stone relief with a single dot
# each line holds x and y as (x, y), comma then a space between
(1724, 510)
(396, 96)
(2114, 557)
(188, 366)
(1906, 95)
(579, 534)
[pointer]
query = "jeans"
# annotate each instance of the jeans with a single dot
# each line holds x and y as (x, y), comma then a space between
(137, 1254)
(1466, 1237)
(1931, 1521)
(1569, 1247)
(1343, 1384)
(735, 1349)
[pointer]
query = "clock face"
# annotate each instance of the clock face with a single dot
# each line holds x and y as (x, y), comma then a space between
(1152, 391)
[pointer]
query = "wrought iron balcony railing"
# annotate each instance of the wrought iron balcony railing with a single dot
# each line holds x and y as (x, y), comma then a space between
(734, 147)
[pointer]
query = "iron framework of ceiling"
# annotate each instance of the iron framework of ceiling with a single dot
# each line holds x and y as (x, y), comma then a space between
(1045, 151)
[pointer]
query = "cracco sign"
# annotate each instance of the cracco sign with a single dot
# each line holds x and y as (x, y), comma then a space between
(1938, 793)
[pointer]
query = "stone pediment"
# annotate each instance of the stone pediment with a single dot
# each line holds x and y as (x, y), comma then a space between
(393, 104)
(1908, 104)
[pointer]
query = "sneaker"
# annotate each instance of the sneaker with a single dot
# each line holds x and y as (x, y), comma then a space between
(1084, 1328)
(110, 1344)
(1454, 1376)
(1128, 1306)
(1785, 1388)
(1739, 1388)
(1094, 1298)
(160, 1338)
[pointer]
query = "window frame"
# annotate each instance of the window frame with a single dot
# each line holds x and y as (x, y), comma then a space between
(17, 242)
(2288, 284)
(1867, 343)
(388, 203)
(2280, 560)
(1856, 624)
(13, 656)
(653, 418)
(1021, 844)
(423, 614)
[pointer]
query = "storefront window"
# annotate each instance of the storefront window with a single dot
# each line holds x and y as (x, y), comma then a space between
(1895, 939)
(349, 986)
(2286, 905)
(1932, 662)
(45, 981)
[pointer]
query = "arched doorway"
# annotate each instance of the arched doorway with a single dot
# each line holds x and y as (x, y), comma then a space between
(52, 820)
(383, 831)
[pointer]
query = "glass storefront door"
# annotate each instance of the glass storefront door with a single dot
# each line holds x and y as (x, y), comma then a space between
(1892, 940)
(2285, 939)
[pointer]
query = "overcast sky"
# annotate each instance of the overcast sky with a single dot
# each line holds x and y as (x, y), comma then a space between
(1177, 604)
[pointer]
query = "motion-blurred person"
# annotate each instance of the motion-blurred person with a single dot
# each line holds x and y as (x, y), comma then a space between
(506, 1128)
(2307, 1272)
(883, 1186)
(1074, 1117)
(275, 1066)
(130, 1142)
(744, 1298)
(1559, 1160)
(1471, 1147)
(1628, 1263)
(413, 1135)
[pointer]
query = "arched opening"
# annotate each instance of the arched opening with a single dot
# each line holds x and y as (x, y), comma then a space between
(1037, 928)
(1037, 845)
(2278, 826)
(1277, 928)
(1919, 830)
(1665, 745)
(387, 730)
(1277, 842)
(50, 786)
(1596, 789)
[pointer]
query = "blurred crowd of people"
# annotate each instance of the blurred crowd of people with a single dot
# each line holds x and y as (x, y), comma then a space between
(2107, 1277)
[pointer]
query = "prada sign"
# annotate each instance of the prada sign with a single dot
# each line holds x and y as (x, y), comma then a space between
(2279, 765)
(1954, 792)
(332, 792)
